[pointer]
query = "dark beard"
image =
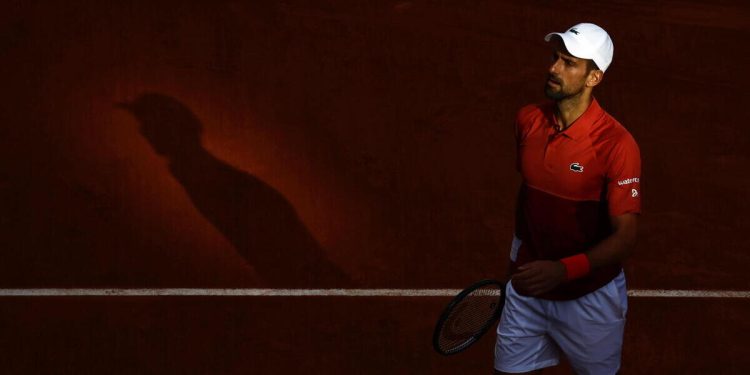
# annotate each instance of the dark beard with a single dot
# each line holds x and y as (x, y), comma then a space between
(561, 94)
(554, 95)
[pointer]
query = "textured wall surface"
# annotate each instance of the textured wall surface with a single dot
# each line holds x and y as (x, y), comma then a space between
(339, 143)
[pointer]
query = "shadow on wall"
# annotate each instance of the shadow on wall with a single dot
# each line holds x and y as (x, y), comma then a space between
(261, 224)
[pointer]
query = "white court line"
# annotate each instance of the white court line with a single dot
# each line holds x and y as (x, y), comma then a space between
(200, 292)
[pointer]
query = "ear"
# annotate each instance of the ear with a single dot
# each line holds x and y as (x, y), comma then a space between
(594, 78)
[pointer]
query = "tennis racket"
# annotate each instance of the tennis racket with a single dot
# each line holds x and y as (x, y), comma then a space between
(468, 316)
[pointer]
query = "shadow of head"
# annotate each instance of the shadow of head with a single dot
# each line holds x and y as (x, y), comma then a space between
(170, 127)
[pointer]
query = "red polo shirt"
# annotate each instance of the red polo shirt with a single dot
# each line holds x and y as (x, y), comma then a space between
(573, 181)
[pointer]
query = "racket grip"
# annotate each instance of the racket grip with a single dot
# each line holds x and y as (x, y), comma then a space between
(576, 266)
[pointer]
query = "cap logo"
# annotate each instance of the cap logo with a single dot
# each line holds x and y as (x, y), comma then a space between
(575, 167)
(574, 31)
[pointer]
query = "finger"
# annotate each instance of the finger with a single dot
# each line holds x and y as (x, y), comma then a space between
(525, 275)
(541, 287)
(529, 269)
(531, 292)
(534, 288)
(537, 290)
(536, 282)
(527, 266)
(534, 277)
(527, 282)
(522, 274)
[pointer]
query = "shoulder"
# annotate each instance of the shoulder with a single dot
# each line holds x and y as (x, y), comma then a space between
(531, 112)
(613, 141)
(529, 116)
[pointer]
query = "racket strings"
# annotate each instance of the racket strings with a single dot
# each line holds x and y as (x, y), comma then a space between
(470, 316)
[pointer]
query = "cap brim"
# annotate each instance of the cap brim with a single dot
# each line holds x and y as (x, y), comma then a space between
(573, 46)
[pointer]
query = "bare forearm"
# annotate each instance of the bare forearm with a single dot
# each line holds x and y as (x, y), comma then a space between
(538, 277)
(615, 248)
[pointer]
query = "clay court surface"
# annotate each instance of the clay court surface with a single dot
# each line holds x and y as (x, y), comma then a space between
(341, 145)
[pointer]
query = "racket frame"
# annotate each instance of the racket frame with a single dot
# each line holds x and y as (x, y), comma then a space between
(455, 301)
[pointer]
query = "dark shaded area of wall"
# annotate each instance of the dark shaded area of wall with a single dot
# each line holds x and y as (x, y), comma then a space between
(338, 143)
(384, 128)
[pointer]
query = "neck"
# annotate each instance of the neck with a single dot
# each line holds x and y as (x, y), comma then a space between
(571, 108)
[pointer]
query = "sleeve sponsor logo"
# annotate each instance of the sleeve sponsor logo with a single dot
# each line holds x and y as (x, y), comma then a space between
(629, 181)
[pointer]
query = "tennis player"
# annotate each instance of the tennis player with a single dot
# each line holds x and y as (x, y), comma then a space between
(576, 219)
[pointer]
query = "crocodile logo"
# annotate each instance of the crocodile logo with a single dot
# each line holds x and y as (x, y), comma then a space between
(574, 31)
(576, 167)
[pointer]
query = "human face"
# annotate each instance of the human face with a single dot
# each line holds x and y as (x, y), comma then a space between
(567, 75)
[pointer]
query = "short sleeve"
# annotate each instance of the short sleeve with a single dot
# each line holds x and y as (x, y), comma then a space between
(624, 177)
(521, 129)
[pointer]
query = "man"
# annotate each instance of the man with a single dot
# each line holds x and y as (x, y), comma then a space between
(576, 219)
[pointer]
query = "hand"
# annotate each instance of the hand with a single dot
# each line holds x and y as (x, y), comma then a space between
(539, 277)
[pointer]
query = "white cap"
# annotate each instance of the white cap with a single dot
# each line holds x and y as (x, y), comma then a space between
(588, 41)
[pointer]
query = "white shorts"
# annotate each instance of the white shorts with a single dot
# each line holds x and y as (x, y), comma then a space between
(588, 330)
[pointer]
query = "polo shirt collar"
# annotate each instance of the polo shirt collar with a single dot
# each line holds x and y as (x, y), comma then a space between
(581, 127)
